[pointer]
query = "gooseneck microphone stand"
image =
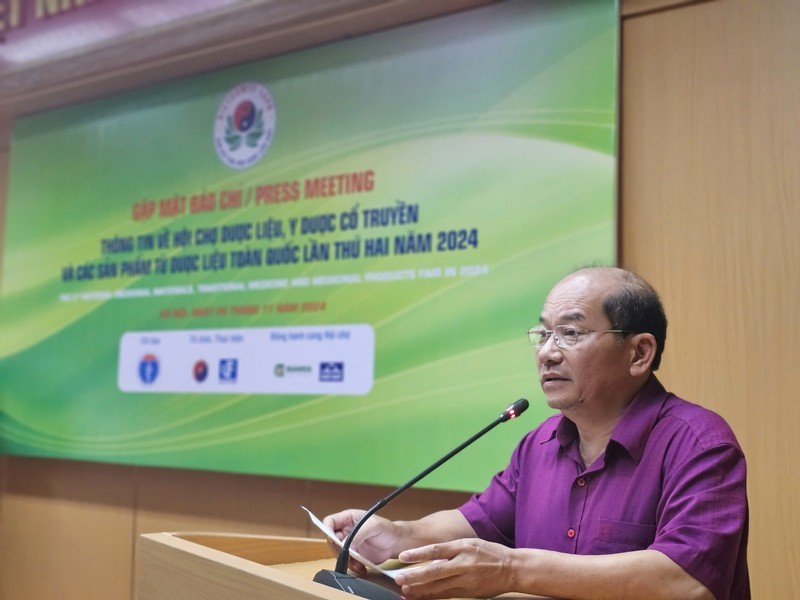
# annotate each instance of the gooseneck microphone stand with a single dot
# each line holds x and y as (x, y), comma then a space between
(339, 578)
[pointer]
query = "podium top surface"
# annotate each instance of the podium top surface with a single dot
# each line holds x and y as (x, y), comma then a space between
(209, 566)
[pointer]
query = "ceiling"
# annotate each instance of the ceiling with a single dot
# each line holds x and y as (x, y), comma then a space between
(30, 38)
(92, 53)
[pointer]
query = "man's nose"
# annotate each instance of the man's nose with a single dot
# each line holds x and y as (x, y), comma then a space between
(549, 352)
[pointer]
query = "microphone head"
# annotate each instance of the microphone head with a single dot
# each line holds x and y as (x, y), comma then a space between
(514, 410)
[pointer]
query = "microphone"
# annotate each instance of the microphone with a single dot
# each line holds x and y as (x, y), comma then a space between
(339, 578)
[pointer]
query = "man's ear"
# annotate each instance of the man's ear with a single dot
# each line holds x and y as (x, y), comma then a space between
(644, 352)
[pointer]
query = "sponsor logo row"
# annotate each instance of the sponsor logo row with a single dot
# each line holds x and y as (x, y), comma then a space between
(228, 370)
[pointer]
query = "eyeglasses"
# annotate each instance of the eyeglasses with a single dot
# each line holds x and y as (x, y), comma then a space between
(565, 336)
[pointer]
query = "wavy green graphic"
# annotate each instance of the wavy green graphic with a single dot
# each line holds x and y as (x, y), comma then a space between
(499, 122)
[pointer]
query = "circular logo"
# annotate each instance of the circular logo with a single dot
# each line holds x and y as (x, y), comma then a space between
(200, 371)
(245, 125)
(279, 370)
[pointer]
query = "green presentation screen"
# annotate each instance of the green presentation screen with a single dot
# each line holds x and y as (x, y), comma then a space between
(320, 265)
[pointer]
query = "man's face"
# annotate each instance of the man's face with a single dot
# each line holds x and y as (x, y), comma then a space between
(585, 376)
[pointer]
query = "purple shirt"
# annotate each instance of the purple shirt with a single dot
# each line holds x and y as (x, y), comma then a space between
(672, 479)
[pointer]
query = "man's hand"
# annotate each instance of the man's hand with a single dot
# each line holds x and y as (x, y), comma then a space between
(469, 568)
(375, 540)
(472, 568)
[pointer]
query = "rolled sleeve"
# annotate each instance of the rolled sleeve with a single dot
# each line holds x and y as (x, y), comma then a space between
(492, 513)
(703, 515)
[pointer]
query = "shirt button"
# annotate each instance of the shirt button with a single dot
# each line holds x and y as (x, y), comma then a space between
(581, 482)
(570, 532)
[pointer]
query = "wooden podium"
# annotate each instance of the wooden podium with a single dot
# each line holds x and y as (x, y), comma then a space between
(220, 566)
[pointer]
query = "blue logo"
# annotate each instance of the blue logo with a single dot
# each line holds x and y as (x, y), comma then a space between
(228, 368)
(331, 371)
(148, 368)
(200, 371)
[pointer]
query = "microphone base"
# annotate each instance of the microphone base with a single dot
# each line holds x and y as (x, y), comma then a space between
(355, 585)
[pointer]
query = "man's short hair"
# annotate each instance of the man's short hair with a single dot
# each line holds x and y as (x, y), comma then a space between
(635, 306)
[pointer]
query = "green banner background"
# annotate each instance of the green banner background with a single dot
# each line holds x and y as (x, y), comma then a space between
(500, 120)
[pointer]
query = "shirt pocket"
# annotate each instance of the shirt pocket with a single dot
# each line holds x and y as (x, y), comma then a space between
(619, 536)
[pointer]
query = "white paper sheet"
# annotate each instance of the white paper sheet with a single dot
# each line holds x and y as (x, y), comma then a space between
(367, 563)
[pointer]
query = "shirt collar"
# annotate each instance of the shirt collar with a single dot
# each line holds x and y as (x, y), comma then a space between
(634, 426)
(640, 417)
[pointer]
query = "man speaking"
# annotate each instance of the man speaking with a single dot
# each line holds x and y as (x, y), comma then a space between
(629, 492)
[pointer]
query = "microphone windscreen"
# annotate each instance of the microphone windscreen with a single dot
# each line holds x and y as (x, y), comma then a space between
(515, 409)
